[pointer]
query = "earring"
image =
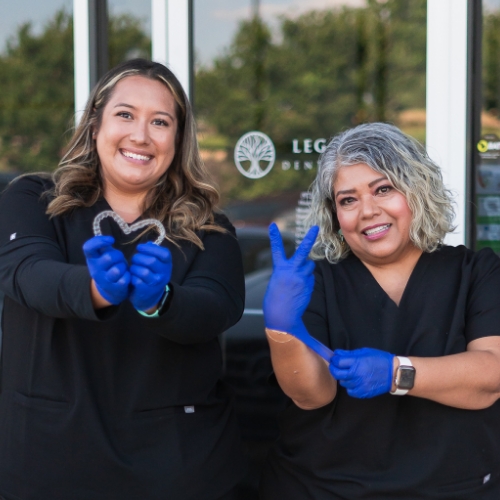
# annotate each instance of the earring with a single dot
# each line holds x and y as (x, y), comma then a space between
(341, 235)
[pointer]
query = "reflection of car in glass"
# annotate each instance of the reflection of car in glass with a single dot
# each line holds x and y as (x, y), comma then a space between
(247, 361)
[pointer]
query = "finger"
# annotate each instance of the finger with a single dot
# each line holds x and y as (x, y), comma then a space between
(94, 247)
(339, 373)
(110, 258)
(140, 259)
(305, 246)
(145, 275)
(116, 272)
(124, 280)
(135, 281)
(161, 253)
(277, 248)
(154, 264)
(342, 361)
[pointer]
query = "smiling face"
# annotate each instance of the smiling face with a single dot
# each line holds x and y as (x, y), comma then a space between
(374, 217)
(136, 139)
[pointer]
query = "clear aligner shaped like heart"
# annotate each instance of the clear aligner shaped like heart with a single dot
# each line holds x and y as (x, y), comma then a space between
(126, 228)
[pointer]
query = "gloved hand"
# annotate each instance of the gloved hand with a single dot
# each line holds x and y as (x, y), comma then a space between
(365, 372)
(108, 268)
(291, 284)
(150, 269)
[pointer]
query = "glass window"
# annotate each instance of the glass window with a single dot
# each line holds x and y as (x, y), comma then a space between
(487, 186)
(275, 80)
(36, 83)
(129, 30)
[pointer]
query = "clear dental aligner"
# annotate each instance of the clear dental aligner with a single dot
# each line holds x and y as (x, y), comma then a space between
(126, 228)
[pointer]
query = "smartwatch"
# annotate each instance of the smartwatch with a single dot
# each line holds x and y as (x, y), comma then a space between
(405, 377)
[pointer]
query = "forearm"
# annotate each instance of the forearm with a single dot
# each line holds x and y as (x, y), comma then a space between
(469, 380)
(301, 373)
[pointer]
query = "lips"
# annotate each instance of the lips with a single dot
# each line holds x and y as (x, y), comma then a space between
(376, 230)
(135, 156)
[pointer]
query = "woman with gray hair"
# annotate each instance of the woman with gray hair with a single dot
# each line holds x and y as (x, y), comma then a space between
(390, 348)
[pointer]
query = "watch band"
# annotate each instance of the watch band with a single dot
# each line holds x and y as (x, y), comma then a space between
(160, 306)
(403, 361)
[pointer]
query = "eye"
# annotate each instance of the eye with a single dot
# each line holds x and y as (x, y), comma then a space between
(160, 122)
(347, 201)
(384, 189)
(124, 114)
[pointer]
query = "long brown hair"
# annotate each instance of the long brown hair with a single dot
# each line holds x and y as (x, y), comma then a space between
(184, 197)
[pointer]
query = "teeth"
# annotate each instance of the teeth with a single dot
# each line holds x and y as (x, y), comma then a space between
(376, 230)
(129, 154)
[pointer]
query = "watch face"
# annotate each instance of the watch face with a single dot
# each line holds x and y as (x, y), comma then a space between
(406, 377)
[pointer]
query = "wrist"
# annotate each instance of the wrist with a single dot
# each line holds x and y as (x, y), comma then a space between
(158, 308)
(278, 336)
(395, 366)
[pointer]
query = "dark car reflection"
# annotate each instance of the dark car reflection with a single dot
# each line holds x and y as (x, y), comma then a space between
(247, 362)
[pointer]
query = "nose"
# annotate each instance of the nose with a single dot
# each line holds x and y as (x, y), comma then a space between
(140, 133)
(369, 207)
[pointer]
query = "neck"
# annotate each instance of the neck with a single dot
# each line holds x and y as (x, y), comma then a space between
(129, 206)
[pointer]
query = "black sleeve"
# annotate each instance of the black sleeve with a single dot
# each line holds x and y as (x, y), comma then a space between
(483, 302)
(211, 296)
(33, 268)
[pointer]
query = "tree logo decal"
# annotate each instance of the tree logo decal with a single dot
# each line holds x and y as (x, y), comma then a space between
(254, 155)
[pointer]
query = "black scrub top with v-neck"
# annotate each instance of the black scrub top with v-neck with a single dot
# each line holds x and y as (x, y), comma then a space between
(111, 405)
(391, 447)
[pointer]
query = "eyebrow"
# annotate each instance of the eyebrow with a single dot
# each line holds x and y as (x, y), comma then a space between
(124, 104)
(370, 184)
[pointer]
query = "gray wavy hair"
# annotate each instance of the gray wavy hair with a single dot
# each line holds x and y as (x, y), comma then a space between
(406, 164)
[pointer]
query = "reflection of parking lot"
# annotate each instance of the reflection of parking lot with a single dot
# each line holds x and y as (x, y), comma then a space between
(247, 360)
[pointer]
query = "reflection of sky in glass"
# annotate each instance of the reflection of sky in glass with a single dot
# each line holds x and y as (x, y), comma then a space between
(39, 12)
(15, 13)
(489, 5)
(215, 22)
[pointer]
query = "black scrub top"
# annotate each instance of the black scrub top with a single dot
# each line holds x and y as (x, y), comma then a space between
(393, 447)
(111, 405)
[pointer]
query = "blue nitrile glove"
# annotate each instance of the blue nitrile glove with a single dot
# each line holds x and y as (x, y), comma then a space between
(108, 268)
(365, 372)
(151, 269)
(290, 288)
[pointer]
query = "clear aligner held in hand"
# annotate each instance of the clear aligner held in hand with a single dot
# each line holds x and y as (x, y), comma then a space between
(126, 228)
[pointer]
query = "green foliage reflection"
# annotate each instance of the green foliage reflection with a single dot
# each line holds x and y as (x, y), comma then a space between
(37, 88)
(324, 71)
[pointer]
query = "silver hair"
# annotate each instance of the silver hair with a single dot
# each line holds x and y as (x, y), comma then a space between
(405, 162)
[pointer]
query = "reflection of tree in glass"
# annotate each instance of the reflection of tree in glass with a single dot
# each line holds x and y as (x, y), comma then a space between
(37, 89)
(255, 149)
(491, 68)
(324, 71)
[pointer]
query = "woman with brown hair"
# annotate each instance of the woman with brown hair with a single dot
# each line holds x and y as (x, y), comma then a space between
(111, 359)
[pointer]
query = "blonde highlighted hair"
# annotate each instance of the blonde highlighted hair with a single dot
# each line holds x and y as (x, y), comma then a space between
(406, 164)
(184, 197)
